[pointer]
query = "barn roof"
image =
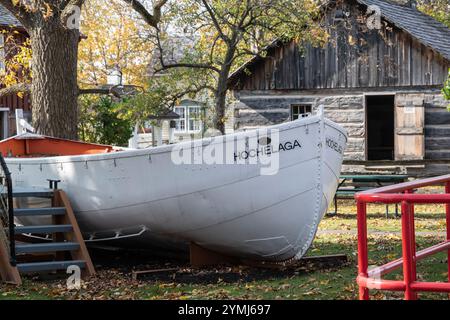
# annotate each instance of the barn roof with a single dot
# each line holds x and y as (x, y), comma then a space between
(424, 28)
(420, 26)
(7, 18)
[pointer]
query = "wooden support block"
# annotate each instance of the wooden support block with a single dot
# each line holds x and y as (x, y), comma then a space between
(328, 261)
(337, 259)
(136, 274)
(201, 257)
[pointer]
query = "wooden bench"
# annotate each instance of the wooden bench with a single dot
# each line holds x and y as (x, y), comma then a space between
(352, 184)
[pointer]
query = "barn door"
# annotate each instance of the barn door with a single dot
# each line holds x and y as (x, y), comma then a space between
(409, 127)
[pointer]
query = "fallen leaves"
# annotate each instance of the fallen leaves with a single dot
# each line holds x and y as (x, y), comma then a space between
(301, 282)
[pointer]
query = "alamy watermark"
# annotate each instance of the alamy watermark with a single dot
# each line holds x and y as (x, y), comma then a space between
(74, 18)
(260, 148)
(374, 17)
(74, 280)
(72, 13)
(376, 275)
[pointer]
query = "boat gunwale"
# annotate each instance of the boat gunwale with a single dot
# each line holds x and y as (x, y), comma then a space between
(127, 153)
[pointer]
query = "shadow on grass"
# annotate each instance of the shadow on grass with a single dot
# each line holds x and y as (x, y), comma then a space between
(161, 270)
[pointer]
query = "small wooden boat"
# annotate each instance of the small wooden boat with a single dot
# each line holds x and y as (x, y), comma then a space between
(150, 197)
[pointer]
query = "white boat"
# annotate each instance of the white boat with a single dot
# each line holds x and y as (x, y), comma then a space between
(236, 209)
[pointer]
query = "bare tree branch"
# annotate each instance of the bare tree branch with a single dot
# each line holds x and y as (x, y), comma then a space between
(165, 66)
(105, 91)
(172, 100)
(187, 65)
(26, 88)
(151, 19)
(15, 89)
(215, 21)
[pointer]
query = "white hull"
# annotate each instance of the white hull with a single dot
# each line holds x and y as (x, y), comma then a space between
(231, 209)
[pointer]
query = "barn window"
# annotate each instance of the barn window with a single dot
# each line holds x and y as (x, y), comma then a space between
(300, 111)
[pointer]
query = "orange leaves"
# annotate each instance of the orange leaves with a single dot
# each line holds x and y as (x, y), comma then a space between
(17, 61)
(115, 37)
(47, 11)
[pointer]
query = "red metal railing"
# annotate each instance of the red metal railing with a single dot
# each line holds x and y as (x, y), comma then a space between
(402, 194)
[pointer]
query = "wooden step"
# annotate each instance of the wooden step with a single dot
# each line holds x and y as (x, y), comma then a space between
(32, 192)
(49, 266)
(47, 247)
(40, 256)
(44, 229)
(40, 212)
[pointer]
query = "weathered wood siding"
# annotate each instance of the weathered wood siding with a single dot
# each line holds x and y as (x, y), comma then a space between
(437, 127)
(355, 57)
(409, 126)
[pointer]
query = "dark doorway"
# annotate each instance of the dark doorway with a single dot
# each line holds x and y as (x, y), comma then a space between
(380, 127)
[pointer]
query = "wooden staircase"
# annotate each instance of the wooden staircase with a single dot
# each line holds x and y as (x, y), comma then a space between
(61, 244)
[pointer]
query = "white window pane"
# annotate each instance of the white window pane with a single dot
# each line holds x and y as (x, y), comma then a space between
(194, 118)
(180, 112)
(180, 124)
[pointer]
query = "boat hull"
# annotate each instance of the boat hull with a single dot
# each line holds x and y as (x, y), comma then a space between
(147, 197)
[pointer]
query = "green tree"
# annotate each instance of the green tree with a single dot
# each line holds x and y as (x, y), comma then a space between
(446, 90)
(438, 9)
(100, 122)
(53, 28)
(225, 33)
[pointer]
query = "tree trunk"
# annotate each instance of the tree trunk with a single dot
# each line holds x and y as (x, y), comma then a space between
(220, 107)
(54, 88)
(222, 89)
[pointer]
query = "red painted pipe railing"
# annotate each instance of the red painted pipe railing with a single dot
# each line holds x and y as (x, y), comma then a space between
(401, 194)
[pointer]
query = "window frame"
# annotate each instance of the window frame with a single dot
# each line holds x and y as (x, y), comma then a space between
(299, 111)
(186, 120)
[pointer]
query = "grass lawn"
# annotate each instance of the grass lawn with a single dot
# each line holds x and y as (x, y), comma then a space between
(337, 235)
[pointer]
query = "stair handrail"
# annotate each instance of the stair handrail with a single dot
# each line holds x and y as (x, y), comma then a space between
(8, 208)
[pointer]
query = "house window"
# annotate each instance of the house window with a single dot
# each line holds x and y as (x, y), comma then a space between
(190, 119)
(300, 111)
(181, 122)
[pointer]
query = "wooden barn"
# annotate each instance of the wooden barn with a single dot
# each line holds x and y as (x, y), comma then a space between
(11, 27)
(382, 83)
